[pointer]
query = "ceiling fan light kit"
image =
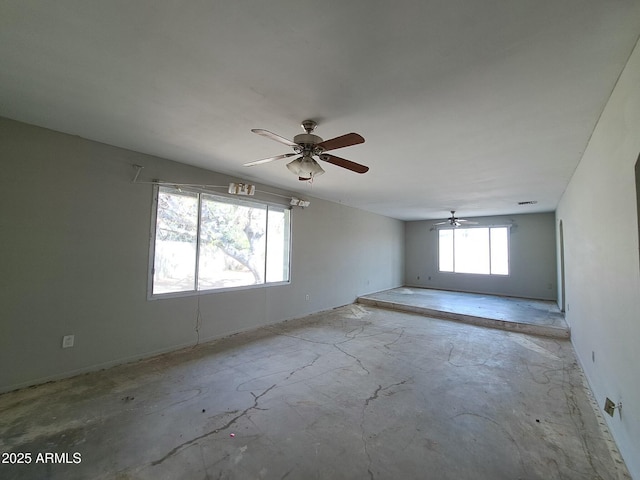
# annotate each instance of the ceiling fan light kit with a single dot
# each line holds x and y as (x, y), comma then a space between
(309, 145)
(305, 168)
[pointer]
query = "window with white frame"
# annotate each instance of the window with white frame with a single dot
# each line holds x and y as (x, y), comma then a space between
(481, 250)
(204, 242)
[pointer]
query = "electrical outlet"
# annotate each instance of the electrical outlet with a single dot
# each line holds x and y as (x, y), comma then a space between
(67, 341)
(306, 297)
(609, 406)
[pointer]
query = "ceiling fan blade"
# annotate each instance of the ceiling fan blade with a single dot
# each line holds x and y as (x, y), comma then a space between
(273, 136)
(270, 159)
(341, 162)
(343, 141)
(469, 222)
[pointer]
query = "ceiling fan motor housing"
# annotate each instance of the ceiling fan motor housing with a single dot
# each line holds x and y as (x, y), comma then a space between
(307, 138)
(308, 142)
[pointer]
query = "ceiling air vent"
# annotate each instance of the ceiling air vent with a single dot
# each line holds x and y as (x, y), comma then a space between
(528, 202)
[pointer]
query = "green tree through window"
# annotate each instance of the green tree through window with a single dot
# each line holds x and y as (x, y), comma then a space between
(205, 241)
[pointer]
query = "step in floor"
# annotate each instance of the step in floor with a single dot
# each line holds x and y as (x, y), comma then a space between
(536, 317)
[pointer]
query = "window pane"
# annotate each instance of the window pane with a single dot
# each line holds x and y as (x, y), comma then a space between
(174, 262)
(445, 250)
(499, 251)
(472, 250)
(278, 232)
(232, 244)
(229, 238)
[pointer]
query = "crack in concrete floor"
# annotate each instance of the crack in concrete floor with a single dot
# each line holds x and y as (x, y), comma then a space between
(228, 425)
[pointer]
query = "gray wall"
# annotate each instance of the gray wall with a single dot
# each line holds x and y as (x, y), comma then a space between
(74, 256)
(532, 259)
(602, 268)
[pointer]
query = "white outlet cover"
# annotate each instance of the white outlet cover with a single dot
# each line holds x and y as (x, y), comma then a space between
(67, 341)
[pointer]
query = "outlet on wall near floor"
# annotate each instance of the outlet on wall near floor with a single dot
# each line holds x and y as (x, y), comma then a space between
(67, 341)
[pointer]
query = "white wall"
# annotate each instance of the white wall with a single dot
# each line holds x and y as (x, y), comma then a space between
(532, 260)
(74, 253)
(602, 268)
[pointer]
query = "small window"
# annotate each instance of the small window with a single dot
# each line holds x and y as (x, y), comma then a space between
(205, 242)
(474, 250)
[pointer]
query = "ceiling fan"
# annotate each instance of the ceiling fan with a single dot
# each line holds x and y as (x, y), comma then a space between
(455, 221)
(309, 145)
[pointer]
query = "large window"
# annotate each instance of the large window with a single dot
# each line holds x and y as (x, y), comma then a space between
(474, 250)
(204, 241)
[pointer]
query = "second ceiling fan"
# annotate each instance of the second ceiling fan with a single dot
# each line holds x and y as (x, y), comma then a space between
(308, 145)
(455, 221)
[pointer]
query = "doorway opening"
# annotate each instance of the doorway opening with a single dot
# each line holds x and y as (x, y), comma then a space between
(638, 199)
(562, 291)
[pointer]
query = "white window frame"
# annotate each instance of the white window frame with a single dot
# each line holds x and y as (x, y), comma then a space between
(489, 227)
(223, 198)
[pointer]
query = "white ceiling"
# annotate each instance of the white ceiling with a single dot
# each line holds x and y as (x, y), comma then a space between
(465, 105)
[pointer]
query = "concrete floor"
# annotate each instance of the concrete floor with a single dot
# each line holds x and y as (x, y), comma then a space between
(354, 393)
(537, 317)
